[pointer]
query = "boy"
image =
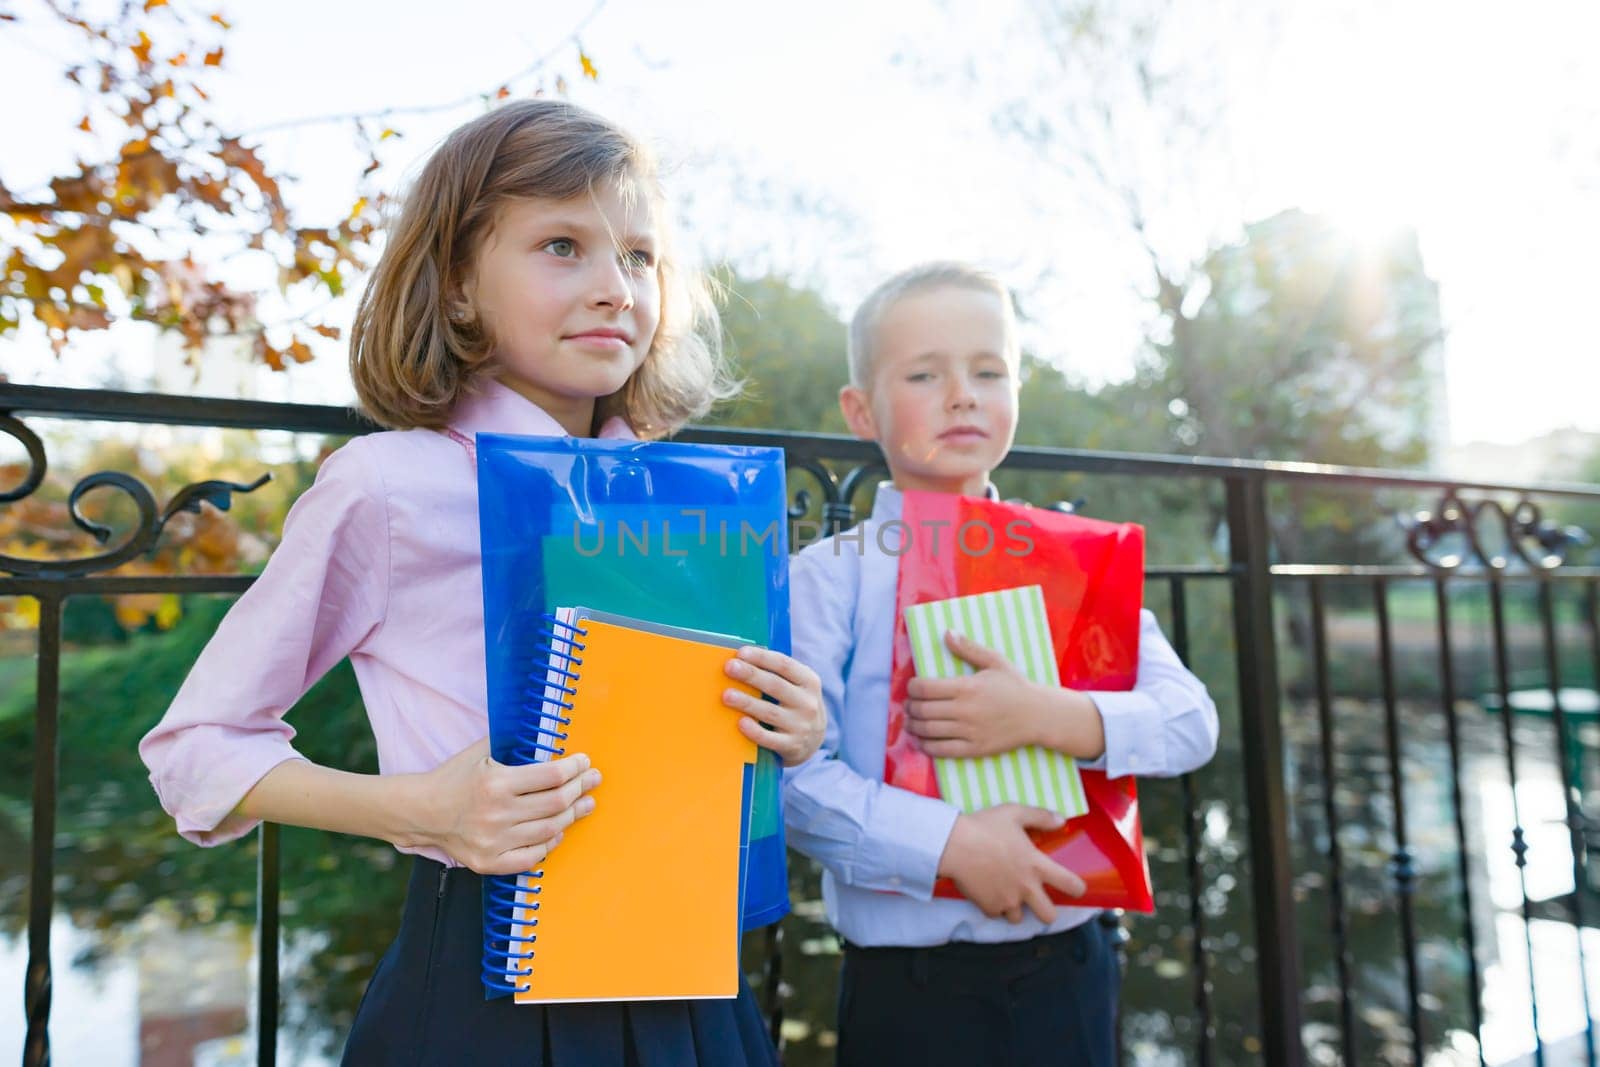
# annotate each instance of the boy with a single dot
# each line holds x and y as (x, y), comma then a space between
(1004, 976)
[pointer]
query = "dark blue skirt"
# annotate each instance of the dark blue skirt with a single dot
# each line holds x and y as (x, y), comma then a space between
(425, 1004)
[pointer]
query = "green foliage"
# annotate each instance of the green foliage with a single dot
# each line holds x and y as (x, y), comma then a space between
(118, 857)
(788, 345)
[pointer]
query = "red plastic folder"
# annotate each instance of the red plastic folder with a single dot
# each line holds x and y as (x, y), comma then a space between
(1092, 573)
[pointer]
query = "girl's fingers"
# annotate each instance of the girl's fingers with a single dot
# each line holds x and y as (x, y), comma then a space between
(538, 777)
(518, 860)
(550, 802)
(785, 746)
(769, 682)
(776, 715)
(535, 831)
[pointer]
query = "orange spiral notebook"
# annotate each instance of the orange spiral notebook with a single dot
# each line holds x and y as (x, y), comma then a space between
(641, 899)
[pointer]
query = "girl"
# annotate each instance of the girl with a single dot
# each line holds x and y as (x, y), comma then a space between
(527, 288)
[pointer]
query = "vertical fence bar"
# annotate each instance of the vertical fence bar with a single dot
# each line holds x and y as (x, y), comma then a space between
(1572, 792)
(1519, 844)
(1191, 835)
(1330, 812)
(267, 899)
(1277, 944)
(39, 985)
(773, 986)
(1447, 682)
(1403, 870)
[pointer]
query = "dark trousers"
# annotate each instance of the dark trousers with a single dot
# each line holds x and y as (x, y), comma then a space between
(1048, 1000)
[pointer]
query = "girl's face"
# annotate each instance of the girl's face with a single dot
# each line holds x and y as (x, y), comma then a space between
(570, 293)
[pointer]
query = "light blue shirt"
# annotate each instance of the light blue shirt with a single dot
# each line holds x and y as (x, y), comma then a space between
(880, 845)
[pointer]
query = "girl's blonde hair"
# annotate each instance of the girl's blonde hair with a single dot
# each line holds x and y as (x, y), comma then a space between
(411, 360)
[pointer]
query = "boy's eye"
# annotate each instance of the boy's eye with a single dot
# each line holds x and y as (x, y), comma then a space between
(920, 376)
(992, 374)
(561, 246)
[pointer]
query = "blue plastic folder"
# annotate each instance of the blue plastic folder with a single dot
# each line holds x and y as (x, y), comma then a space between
(681, 534)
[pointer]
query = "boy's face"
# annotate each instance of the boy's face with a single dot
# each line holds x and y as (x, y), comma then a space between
(942, 398)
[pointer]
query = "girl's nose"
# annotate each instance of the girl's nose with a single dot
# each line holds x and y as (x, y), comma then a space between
(611, 286)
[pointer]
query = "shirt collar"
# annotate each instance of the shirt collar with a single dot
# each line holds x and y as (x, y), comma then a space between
(491, 406)
(889, 502)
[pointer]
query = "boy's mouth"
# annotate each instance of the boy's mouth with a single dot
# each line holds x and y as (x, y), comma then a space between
(963, 433)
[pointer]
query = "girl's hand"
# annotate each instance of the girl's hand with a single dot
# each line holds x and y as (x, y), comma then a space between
(497, 819)
(792, 727)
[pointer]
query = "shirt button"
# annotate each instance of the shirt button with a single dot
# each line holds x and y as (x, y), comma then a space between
(894, 879)
(1133, 760)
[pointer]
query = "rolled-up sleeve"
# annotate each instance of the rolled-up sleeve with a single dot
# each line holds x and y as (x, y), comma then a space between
(1166, 724)
(868, 834)
(324, 591)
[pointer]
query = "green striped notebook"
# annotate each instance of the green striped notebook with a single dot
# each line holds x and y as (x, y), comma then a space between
(1012, 622)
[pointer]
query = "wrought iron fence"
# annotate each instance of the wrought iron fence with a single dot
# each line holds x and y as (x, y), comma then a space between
(1474, 540)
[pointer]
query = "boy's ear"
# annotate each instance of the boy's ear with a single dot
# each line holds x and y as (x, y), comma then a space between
(857, 408)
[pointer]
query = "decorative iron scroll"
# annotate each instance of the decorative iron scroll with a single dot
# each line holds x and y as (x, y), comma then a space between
(141, 539)
(1525, 535)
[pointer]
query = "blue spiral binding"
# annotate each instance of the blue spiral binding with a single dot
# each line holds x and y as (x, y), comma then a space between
(549, 668)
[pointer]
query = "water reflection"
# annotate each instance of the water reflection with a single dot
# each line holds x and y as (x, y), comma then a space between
(153, 941)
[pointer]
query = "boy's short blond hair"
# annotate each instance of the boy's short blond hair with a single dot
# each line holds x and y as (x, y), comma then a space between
(909, 282)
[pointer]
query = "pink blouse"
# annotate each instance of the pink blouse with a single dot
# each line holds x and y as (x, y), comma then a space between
(379, 562)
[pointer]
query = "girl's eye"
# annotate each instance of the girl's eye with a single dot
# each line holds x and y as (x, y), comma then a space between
(639, 259)
(561, 246)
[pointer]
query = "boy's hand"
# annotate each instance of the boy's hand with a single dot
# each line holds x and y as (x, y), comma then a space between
(793, 727)
(997, 710)
(995, 864)
(994, 710)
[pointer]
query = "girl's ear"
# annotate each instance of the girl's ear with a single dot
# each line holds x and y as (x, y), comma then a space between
(857, 408)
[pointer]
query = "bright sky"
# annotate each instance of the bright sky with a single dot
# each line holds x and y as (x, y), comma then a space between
(1475, 122)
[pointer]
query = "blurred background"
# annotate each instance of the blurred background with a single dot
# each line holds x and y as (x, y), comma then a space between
(1352, 232)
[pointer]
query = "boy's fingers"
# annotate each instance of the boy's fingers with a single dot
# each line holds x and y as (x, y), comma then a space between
(1038, 818)
(1058, 877)
(938, 729)
(980, 656)
(950, 749)
(933, 688)
(1040, 904)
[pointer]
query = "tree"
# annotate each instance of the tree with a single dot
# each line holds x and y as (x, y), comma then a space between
(1306, 346)
(139, 233)
(789, 347)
